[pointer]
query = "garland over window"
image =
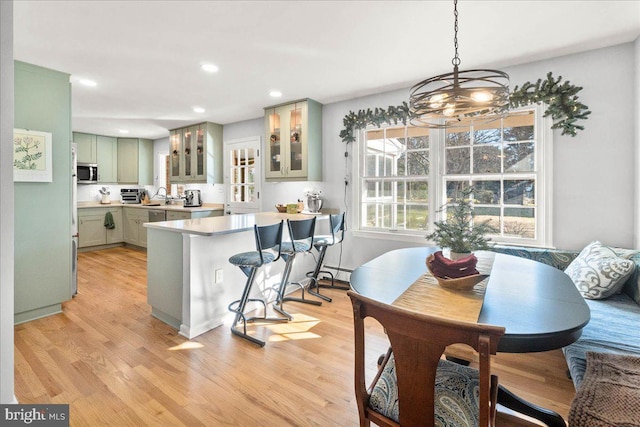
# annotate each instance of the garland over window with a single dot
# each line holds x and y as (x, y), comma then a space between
(561, 98)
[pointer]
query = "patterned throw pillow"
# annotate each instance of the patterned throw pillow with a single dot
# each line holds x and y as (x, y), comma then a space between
(598, 272)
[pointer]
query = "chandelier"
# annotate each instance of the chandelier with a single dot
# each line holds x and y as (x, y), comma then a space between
(442, 100)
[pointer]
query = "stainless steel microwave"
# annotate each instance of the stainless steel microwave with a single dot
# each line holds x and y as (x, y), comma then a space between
(87, 173)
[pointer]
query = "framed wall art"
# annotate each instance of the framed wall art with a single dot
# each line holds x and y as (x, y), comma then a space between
(32, 156)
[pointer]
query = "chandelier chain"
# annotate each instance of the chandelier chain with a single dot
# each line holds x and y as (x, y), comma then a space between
(456, 59)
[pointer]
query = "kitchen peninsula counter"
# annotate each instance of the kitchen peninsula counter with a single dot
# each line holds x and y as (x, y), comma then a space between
(190, 281)
(226, 224)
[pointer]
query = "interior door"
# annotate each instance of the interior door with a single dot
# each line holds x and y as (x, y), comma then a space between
(242, 175)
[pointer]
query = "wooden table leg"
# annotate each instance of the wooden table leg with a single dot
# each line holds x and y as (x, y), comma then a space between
(515, 403)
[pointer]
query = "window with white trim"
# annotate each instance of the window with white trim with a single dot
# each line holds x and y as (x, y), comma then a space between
(395, 179)
(407, 173)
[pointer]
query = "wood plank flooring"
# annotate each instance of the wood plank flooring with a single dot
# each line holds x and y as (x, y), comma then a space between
(116, 365)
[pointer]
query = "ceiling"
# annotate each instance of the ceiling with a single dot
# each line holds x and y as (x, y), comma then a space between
(145, 56)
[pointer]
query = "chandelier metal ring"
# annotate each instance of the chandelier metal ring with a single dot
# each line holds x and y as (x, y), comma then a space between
(441, 100)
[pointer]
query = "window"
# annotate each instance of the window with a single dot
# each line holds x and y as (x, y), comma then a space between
(395, 180)
(407, 173)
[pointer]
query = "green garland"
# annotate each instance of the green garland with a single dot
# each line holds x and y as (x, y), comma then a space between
(561, 99)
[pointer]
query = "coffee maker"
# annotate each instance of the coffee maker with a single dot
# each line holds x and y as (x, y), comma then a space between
(192, 199)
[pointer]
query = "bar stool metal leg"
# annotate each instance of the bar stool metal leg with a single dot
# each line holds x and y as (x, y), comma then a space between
(268, 241)
(278, 304)
(239, 306)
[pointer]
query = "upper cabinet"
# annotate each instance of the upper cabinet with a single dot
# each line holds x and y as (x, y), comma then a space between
(195, 154)
(107, 149)
(119, 160)
(135, 161)
(86, 147)
(293, 143)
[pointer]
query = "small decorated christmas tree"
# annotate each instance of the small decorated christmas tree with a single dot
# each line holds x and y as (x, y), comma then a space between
(458, 232)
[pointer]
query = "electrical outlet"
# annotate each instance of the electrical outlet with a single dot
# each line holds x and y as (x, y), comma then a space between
(219, 275)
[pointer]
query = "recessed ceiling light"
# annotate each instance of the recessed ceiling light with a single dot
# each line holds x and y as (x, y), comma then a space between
(275, 94)
(210, 68)
(87, 82)
(198, 109)
(124, 131)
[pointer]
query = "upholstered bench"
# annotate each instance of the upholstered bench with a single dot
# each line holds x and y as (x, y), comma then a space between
(615, 320)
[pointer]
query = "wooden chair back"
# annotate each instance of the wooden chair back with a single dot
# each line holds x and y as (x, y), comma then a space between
(418, 342)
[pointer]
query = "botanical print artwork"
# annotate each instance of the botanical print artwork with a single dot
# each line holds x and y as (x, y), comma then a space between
(32, 156)
(28, 151)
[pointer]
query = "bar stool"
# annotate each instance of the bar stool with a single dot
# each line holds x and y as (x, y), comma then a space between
(268, 243)
(301, 233)
(321, 243)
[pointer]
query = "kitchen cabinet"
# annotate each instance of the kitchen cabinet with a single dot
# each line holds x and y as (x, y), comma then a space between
(135, 161)
(293, 143)
(91, 229)
(86, 147)
(174, 215)
(107, 159)
(195, 154)
(134, 231)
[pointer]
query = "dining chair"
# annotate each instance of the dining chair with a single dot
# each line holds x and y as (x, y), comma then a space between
(322, 243)
(301, 234)
(414, 385)
(268, 239)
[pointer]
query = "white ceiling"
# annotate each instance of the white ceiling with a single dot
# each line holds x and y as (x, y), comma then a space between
(146, 55)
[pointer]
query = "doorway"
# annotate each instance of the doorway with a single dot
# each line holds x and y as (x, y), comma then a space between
(242, 175)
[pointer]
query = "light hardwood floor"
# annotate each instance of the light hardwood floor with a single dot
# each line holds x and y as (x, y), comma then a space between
(118, 366)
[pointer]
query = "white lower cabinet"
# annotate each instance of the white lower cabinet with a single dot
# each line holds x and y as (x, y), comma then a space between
(91, 229)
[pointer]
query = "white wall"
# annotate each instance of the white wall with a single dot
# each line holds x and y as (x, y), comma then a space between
(594, 172)
(6, 208)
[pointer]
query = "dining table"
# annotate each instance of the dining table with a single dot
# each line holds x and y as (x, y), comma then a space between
(538, 305)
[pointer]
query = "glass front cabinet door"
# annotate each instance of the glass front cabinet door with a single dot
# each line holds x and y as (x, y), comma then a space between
(293, 143)
(196, 154)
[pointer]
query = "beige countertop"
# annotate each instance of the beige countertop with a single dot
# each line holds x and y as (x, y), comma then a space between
(228, 223)
(180, 208)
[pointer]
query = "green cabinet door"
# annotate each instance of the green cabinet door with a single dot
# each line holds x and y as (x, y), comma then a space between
(135, 232)
(107, 149)
(128, 160)
(135, 161)
(86, 151)
(116, 235)
(173, 215)
(293, 144)
(196, 154)
(145, 162)
(91, 231)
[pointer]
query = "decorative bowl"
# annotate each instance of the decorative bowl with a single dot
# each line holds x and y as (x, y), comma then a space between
(465, 283)
(283, 208)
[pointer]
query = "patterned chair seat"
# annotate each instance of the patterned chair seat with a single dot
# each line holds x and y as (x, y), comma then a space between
(323, 240)
(247, 260)
(300, 246)
(457, 394)
(251, 259)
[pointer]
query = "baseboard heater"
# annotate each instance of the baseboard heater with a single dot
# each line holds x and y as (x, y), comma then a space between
(337, 270)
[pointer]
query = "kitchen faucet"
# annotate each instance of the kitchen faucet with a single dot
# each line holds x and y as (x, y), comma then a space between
(166, 196)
